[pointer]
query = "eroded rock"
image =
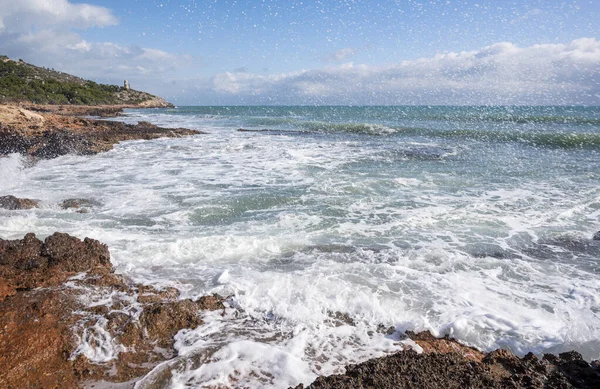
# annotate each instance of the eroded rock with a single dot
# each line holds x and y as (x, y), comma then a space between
(53, 299)
(63, 134)
(445, 363)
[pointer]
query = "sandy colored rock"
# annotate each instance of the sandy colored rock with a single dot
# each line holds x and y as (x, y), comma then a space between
(13, 115)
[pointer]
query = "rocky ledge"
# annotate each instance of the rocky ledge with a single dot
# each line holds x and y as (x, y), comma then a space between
(48, 135)
(68, 320)
(445, 363)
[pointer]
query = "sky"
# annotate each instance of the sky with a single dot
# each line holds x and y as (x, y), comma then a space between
(342, 52)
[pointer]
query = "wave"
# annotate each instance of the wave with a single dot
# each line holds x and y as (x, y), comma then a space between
(353, 128)
(566, 140)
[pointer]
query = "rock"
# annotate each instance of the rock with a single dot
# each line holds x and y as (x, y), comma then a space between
(439, 366)
(78, 203)
(6, 289)
(15, 203)
(64, 134)
(30, 263)
(31, 116)
(44, 316)
(596, 236)
(431, 344)
(13, 115)
(70, 254)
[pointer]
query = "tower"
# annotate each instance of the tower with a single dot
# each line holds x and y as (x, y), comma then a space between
(126, 85)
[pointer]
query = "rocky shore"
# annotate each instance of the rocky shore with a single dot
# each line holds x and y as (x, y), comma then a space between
(445, 363)
(44, 134)
(67, 319)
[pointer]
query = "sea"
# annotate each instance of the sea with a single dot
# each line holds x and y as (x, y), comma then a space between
(332, 230)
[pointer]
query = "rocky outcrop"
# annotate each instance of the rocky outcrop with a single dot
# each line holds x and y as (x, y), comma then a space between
(60, 135)
(15, 203)
(68, 319)
(445, 363)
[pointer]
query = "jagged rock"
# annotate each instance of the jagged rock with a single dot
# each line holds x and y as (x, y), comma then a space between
(15, 203)
(596, 236)
(443, 366)
(62, 135)
(40, 327)
(70, 254)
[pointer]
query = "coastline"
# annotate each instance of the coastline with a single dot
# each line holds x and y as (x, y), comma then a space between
(443, 361)
(50, 131)
(69, 319)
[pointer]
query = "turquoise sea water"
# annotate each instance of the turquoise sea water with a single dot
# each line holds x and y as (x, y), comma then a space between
(473, 221)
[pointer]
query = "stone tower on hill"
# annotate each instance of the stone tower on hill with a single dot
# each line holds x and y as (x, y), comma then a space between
(126, 85)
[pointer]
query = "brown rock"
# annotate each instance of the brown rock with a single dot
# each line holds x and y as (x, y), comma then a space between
(62, 134)
(441, 366)
(6, 289)
(431, 344)
(70, 254)
(15, 203)
(40, 328)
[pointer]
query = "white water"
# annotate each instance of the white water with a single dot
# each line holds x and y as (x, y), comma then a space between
(295, 229)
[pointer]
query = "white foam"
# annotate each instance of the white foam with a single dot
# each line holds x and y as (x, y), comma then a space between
(299, 229)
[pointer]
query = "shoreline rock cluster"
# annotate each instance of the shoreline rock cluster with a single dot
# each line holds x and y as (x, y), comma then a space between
(49, 135)
(67, 319)
(445, 363)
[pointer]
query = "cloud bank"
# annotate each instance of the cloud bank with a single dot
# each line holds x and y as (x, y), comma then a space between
(44, 32)
(498, 74)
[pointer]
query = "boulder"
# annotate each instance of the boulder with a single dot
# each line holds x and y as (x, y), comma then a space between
(15, 203)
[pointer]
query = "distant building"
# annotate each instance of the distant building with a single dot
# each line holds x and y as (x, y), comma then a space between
(126, 85)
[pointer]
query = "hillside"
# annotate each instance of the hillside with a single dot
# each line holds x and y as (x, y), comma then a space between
(23, 82)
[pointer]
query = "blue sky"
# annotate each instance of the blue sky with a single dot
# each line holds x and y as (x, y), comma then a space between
(245, 52)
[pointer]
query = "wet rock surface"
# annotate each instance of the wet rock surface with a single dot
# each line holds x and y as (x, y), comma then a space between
(60, 134)
(14, 203)
(67, 318)
(445, 363)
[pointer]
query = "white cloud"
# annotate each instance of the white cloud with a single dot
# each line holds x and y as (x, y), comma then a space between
(21, 15)
(44, 32)
(502, 73)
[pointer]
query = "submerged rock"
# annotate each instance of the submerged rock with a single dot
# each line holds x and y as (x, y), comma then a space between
(596, 236)
(80, 205)
(15, 203)
(68, 319)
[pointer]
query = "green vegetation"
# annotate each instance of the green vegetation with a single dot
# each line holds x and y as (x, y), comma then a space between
(22, 82)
